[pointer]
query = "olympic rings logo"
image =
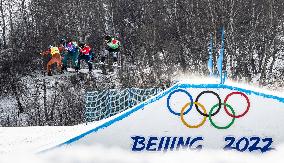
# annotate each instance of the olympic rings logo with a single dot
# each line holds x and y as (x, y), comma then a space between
(189, 105)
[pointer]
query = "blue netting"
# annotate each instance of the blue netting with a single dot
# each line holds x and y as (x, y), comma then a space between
(103, 104)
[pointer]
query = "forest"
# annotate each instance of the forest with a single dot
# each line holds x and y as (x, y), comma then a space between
(159, 38)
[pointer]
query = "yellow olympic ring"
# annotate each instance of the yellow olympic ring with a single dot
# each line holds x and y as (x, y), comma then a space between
(182, 116)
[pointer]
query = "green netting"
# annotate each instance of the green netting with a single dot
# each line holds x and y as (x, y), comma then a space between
(103, 104)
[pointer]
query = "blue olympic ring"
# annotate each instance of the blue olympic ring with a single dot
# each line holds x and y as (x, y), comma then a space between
(187, 93)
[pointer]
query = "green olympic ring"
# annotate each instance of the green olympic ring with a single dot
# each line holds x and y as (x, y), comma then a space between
(214, 124)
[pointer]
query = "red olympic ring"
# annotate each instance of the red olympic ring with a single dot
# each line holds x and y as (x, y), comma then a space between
(237, 116)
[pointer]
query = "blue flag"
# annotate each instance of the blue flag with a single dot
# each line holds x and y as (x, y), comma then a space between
(210, 60)
(220, 59)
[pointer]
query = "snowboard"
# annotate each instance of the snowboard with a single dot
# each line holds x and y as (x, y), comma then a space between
(108, 69)
(69, 72)
(65, 74)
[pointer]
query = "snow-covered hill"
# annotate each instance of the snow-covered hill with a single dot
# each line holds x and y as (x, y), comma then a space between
(110, 140)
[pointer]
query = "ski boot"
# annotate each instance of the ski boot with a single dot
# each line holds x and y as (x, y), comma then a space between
(64, 68)
(49, 73)
(77, 69)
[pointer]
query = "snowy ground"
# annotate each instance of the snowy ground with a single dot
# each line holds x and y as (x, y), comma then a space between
(101, 154)
(21, 144)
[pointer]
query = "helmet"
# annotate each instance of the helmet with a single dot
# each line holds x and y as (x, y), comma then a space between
(63, 40)
(108, 38)
(81, 45)
(50, 46)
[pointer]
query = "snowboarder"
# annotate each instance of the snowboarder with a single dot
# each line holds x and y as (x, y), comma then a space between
(112, 48)
(72, 51)
(55, 58)
(85, 54)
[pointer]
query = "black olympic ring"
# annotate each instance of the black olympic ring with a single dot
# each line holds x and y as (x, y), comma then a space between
(219, 104)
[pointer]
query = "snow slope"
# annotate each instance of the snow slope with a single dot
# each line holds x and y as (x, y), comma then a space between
(152, 120)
